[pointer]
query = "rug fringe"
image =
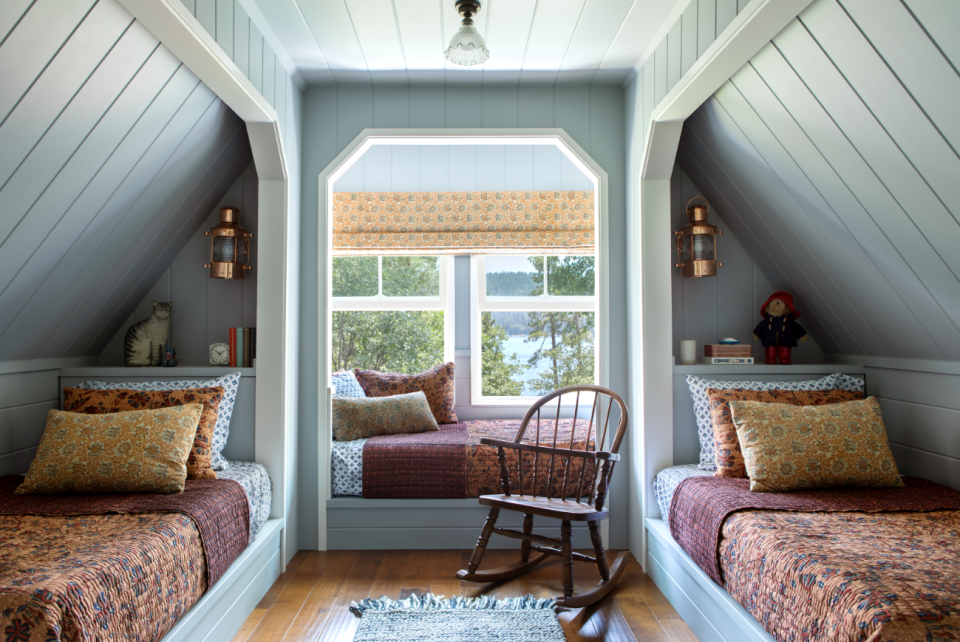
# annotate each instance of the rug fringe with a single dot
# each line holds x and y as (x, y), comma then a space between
(431, 602)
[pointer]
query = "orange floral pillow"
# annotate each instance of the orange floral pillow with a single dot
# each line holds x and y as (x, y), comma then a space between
(729, 455)
(436, 383)
(102, 402)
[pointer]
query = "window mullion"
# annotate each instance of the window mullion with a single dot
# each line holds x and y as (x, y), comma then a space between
(379, 276)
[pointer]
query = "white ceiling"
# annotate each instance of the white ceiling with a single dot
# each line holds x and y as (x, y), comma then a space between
(531, 41)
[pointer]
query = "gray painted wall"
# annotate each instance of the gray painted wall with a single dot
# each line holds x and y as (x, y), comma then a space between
(727, 305)
(334, 116)
(833, 156)
(113, 155)
(454, 168)
(203, 308)
(25, 398)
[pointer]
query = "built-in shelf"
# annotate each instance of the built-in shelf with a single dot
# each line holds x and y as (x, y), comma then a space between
(181, 371)
(763, 369)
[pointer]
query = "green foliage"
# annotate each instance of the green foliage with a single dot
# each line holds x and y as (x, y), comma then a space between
(408, 342)
(354, 276)
(513, 284)
(566, 342)
(411, 276)
(570, 275)
(514, 323)
(497, 371)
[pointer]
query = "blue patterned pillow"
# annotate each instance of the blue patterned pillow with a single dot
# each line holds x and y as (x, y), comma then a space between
(701, 403)
(229, 382)
(345, 384)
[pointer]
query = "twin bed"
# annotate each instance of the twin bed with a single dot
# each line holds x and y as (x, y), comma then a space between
(837, 563)
(138, 565)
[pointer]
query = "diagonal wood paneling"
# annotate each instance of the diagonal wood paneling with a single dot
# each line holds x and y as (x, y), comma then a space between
(835, 155)
(112, 155)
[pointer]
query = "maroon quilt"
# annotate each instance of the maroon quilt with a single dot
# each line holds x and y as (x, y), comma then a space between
(453, 464)
(701, 505)
(218, 507)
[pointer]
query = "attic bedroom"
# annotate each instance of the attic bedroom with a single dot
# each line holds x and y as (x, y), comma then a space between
(475, 320)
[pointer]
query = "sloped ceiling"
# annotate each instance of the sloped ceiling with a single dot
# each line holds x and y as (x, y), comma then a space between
(112, 153)
(834, 157)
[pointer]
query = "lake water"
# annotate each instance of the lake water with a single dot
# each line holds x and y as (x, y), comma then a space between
(524, 350)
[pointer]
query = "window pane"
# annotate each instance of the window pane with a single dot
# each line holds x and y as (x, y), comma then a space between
(408, 342)
(354, 276)
(570, 275)
(514, 275)
(411, 276)
(533, 353)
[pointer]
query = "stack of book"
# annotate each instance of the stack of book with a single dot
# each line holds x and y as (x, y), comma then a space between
(727, 354)
(243, 347)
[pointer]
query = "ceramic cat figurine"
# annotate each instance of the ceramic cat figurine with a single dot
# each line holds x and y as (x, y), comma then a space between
(153, 329)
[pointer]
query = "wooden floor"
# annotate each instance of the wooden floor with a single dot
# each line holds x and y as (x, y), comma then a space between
(310, 600)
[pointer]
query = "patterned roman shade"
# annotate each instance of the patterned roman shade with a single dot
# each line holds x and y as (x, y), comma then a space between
(548, 222)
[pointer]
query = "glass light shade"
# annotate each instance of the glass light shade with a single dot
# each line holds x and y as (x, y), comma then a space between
(467, 47)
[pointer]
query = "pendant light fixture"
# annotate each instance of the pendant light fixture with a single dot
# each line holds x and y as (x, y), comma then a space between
(467, 46)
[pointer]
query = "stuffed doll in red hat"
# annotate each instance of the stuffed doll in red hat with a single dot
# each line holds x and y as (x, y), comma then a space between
(779, 331)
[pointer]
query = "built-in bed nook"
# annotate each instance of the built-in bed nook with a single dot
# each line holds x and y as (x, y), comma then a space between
(529, 275)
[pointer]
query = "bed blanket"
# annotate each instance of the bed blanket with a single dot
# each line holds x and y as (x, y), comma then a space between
(112, 566)
(830, 564)
(701, 504)
(844, 577)
(452, 463)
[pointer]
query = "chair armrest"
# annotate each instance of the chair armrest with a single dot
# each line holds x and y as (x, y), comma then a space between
(545, 450)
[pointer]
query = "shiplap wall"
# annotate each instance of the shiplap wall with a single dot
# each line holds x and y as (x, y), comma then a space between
(112, 154)
(833, 156)
(334, 116)
(203, 308)
(455, 168)
(25, 398)
(242, 41)
(728, 305)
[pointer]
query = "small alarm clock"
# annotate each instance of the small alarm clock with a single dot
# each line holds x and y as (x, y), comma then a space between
(219, 354)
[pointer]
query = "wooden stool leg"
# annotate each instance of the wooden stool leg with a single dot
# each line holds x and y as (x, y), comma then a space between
(566, 556)
(598, 550)
(525, 545)
(485, 533)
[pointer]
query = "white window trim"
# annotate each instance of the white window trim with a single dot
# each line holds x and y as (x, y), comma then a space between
(480, 302)
(440, 136)
(382, 303)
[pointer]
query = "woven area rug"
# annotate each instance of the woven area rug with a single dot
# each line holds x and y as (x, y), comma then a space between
(430, 618)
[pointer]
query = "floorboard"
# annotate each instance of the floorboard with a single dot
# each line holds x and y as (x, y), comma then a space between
(311, 600)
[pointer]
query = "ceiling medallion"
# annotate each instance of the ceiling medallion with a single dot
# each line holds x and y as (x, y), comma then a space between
(467, 46)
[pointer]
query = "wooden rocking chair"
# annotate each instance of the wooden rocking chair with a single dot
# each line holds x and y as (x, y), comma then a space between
(570, 498)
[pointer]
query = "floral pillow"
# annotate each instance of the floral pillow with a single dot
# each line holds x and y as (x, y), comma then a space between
(729, 457)
(701, 404)
(122, 452)
(230, 383)
(436, 383)
(789, 447)
(365, 417)
(102, 402)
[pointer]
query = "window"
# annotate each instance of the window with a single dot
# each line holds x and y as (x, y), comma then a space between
(389, 313)
(533, 326)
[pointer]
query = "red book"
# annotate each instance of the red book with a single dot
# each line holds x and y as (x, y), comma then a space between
(233, 347)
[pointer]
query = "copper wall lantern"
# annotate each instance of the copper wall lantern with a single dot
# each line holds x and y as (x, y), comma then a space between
(229, 247)
(697, 242)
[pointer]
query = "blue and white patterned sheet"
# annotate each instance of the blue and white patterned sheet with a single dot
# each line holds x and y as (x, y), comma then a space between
(667, 480)
(255, 481)
(347, 467)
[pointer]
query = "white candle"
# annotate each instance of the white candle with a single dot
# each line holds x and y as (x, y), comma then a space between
(688, 352)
